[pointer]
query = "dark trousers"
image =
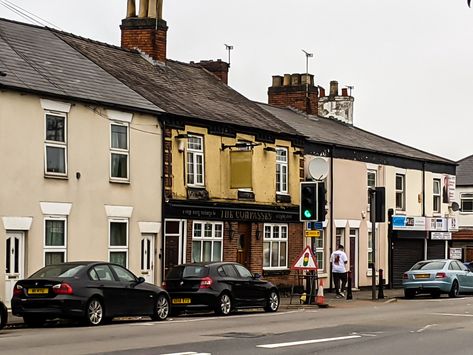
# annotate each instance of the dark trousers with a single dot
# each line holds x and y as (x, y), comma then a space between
(339, 277)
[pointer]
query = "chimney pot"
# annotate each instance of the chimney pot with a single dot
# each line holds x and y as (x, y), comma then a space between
(307, 79)
(322, 91)
(295, 79)
(344, 92)
(287, 80)
(277, 80)
(334, 88)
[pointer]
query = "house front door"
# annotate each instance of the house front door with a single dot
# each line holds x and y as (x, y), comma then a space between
(15, 262)
(148, 257)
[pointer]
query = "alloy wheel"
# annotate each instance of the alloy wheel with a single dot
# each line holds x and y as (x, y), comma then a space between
(273, 301)
(162, 308)
(225, 304)
(95, 312)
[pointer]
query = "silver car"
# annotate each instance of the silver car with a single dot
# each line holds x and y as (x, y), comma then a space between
(437, 277)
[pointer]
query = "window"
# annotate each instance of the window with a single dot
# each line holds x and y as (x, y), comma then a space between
(119, 151)
(339, 237)
(436, 195)
(55, 144)
(400, 192)
(371, 183)
(207, 240)
(281, 171)
(370, 248)
(55, 240)
(275, 246)
(118, 242)
(195, 160)
(318, 248)
(466, 202)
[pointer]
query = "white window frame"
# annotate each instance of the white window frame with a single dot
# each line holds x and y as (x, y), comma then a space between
(283, 174)
(465, 196)
(118, 248)
(195, 153)
(120, 151)
(368, 173)
(370, 246)
(54, 248)
(55, 144)
(436, 196)
(202, 238)
(271, 240)
(320, 250)
(401, 191)
(340, 237)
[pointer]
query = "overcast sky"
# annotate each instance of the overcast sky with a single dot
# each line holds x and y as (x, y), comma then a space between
(411, 62)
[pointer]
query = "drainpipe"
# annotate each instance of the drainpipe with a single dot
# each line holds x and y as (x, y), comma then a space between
(163, 197)
(423, 189)
(331, 212)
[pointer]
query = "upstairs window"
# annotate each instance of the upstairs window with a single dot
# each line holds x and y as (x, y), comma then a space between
(436, 195)
(195, 161)
(400, 192)
(55, 144)
(281, 171)
(371, 183)
(119, 151)
(466, 203)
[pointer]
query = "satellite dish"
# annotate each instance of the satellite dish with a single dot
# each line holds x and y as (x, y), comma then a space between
(455, 206)
(318, 168)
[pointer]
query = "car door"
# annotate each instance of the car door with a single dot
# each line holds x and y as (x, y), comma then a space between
(467, 277)
(246, 289)
(229, 279)
(103, 279)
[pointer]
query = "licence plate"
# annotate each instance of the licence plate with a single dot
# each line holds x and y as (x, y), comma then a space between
(422, 276)
(37, 291)
(181, 301)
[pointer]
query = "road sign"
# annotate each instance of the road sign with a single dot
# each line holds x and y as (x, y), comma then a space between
(305, 261)
(312, 234)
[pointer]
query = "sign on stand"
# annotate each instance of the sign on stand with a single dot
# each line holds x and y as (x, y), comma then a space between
(305, 261)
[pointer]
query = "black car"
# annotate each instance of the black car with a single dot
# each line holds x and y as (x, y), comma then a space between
(3, 315)
(92, 291)
(219, 286)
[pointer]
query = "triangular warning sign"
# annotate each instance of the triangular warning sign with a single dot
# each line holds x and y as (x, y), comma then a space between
(305, 261)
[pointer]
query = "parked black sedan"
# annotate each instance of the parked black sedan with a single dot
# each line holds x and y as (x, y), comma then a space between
(92, 291)
(3, 315)
(219, 286)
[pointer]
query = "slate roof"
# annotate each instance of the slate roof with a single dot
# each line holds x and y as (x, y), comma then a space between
(35, 59)
(465, 171)
(332, 132)
(179, 88)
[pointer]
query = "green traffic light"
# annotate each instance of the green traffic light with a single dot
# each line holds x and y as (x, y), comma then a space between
(307, 214)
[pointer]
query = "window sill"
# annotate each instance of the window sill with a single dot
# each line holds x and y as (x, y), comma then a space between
(59, 177)
(115, 181)
(283, 197)
(276, 272)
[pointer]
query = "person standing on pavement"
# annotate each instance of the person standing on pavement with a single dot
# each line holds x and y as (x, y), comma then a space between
(339, 260)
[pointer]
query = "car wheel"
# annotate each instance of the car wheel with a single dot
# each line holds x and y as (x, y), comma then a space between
(161, 308)
(94, 312)
(223, 306)
(408, 293)
(34, 321)
(272, 303)
(3, 315)
(455, 290)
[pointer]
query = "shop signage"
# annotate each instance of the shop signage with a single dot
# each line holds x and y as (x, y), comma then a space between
(441, 236)
(439, 224)
(456, 253)
(436, 224)
(452, 224)
(408, 223)
(312, 234)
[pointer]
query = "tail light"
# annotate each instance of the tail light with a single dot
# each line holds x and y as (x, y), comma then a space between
(206, 282)
(163, 285)
(18, 290)
(405, 276)
(62, 289)
(441, 275)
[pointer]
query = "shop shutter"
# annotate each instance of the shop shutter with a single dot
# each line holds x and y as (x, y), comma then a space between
(436, 249)
(406, 252)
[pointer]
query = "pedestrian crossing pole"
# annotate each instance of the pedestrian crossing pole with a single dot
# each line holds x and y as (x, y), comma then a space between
(372, 193)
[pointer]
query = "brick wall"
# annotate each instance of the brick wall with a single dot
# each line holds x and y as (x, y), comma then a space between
(294, 96)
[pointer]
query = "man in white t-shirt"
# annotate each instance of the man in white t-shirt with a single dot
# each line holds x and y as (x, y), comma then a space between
(339, 260)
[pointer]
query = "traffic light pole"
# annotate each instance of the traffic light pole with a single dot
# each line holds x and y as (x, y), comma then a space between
(373, 242)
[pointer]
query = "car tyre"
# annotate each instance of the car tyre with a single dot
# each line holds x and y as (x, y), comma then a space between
(161, 308)
(223, 307)
(94, 312)
(272, 303)
(455, 290)
(410, 294)
(3, 315)
(34, 321)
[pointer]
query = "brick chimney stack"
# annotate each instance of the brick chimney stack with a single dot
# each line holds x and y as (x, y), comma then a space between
(147, 31)
(219, 68)
(296, 91)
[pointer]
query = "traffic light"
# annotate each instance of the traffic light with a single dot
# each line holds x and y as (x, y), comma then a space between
(380, 204)
(308, 207)
(321, 201)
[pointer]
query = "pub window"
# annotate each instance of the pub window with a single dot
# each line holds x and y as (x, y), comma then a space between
(281, 171)
(318, 248)
(195, 160)
(275, 246)
(207, 240)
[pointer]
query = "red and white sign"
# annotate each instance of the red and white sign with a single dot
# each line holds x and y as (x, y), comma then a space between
(305, 261)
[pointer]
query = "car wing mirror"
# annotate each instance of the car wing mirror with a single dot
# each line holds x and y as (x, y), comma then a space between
(140, 280)
(256, 275)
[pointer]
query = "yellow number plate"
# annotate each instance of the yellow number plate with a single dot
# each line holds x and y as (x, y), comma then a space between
(37, 291)
(422, 276)
(181, 301)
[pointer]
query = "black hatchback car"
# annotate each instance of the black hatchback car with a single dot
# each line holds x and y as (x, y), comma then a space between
(3, 315)
(219, 286)
(92, 291)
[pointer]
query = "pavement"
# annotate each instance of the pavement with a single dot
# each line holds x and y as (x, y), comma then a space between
(330, 300)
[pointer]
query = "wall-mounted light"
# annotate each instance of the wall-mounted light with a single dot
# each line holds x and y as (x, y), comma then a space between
(240, 145)
(269, 149)
(181, 141)
(258, 233)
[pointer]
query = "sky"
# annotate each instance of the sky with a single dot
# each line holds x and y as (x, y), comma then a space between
(410, 62)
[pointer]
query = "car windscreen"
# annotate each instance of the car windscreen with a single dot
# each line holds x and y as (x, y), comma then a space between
(429, 265)
(188, 271)
(57, 271)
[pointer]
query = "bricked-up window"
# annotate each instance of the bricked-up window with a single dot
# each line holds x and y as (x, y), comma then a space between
(207, 241)
(275, 246)
(318, 248)
(55, 144)
(400, 192)
(281, 171)
(119, 151)
(195, 161)
(436, 195)
(118, 242)
(466, 203)
(55, 240)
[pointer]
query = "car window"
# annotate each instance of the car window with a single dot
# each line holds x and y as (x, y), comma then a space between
(459, 266)
(229, 270)
(93, 275)
(243, 271)
(454, 266)
(195, 271)
(429, 265)
(62, 270)
(104, 273)
(123, 274)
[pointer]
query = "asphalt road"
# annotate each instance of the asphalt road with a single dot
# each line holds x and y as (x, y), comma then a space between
(420, 326)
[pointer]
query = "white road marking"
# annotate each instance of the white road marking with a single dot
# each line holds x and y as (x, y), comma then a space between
(453, 314)
(426, 327)
(443, 299)
(189, 353)
(305, 342)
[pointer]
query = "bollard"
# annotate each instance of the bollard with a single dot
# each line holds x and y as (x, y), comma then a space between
(381, 285)
(349, 294)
